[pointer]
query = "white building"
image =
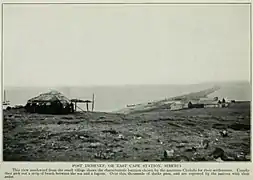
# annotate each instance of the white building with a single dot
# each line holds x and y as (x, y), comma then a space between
(177, 106)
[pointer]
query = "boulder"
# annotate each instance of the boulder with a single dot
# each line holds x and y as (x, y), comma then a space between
(218, 153)
(168, 154)
(224, 133)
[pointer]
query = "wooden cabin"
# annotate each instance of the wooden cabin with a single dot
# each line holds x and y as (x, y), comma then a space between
(176, 106)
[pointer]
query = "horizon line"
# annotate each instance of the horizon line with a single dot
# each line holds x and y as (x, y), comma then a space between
(121, 85)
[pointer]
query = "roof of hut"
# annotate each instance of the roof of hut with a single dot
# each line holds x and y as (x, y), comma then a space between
(50, 97)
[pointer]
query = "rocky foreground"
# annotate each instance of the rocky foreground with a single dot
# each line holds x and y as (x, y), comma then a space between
(211, 134)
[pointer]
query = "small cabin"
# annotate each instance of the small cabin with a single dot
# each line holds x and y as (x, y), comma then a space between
(176, 106)
(195, 104)
(214, 105)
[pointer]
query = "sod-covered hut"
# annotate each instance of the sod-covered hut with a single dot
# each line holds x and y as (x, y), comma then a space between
(52, 102)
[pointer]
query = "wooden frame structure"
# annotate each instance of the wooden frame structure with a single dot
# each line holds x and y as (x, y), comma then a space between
(75, 101)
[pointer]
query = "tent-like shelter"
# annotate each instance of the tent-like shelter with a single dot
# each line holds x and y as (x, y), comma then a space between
(52, 102)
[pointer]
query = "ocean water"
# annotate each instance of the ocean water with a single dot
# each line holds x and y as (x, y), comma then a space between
(112, 98)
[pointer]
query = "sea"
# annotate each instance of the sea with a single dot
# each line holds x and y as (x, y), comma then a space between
(113, 98)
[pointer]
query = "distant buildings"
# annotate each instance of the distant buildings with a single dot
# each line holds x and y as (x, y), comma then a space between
(201, 103)
(177, 106)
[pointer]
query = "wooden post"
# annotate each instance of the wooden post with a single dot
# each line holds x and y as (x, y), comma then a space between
(4, 96)
(87, 106)
(93, 102)
(75, 106)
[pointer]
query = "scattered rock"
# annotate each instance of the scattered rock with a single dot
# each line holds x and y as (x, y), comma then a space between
(168, 153)
(117, 150)
(60, 147)
(193, 149)
(121, 136)
(100, 155)
(65, 138)
(181, 145)
(241, 117)
(137, 137)
(111, 131)
(182, 158)
(219, 160)
(224, 133)
(95, 145)
(247, 157)
(102, 117)
(218, 152)
(240, 157)
(108, 150)
(205, 144)
(230, 158)
(159, 141)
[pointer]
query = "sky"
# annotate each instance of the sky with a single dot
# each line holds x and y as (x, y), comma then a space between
(83, 45)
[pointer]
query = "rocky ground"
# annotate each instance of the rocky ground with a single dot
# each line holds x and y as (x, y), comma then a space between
(211, 134)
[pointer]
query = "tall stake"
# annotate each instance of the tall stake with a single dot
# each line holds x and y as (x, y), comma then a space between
(93, 101)
(4, 96)
(87, 106)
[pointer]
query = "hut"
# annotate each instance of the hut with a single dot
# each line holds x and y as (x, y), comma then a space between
(52, 102)
(195, 104)
(211, 105)
(176, 106)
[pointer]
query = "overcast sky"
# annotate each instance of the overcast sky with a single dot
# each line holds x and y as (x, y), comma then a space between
(48, 45)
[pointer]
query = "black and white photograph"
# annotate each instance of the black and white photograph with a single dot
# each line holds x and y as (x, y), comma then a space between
(126, 82)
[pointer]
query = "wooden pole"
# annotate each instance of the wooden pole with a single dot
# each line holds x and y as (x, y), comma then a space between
(93, 101)
(87, 106)
(4, 96)
(75, 106)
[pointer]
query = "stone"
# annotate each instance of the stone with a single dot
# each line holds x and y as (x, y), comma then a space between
(81, 137)
(95, 145)
(181, 145)
(218, 152)
(247, 157)
(168, 153)
(121, 136)
(219, 160)
(193, 149)
(224, 133)
(205, 144)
